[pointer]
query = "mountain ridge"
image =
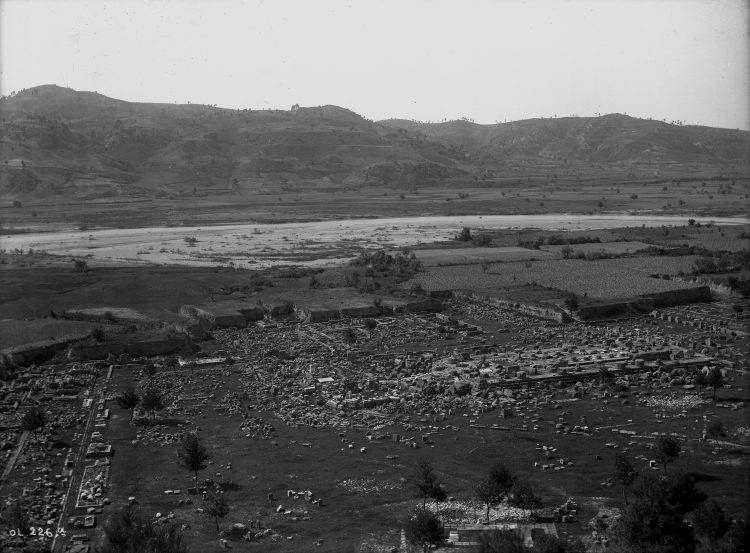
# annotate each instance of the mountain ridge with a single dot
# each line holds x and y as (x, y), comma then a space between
(61, 142)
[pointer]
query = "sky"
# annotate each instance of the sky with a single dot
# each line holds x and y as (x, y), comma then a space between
(429, 60)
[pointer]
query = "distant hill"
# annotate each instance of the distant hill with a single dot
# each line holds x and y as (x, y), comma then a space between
(58, 142)
(609, 138)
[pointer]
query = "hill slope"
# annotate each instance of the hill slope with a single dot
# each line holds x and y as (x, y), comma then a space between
(609, 138)
(61, 143)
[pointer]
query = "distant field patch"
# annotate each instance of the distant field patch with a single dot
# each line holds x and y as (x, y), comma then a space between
(17, 332)
(612, 248)
(605, 279)
(456, 256)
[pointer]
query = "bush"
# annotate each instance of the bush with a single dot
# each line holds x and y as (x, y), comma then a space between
(482, 240)
(465, 235)
(98, 334)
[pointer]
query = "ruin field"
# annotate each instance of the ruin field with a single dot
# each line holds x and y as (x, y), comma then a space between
(317, 389)
(297, 406)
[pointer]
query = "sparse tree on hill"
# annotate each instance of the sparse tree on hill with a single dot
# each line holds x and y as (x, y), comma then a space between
(152, 401)
(192, 455)
(129, 399)
(715, 430)
(126, 531)
(666, 451)
(33, 419)
(425, 483)
(424, 528)
(523, 496)
(216, 507)
(625, 474)
(715, 379)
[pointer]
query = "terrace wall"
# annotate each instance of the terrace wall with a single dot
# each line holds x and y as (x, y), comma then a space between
(540, 311)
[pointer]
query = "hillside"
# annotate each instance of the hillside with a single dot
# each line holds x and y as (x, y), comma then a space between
(82, 144)
(610, 138)
(59, 143)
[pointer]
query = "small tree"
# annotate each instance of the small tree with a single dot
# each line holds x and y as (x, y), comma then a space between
(523, 496)
(625, 474)
(715, 429)
(126, 531)
(129, 399)
(710, 523)
(150, 370)
(33, 419)
(152, 401)
(426, 484)
(80, 265)
(485, 265)
(700, 380)
(502, 478)
(424, 528)
(489, 494)
(465, 235)
(192, 455)
(715, 379)
(667, 450)
(216, 507)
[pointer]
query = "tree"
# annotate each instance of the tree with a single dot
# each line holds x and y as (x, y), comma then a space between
(128, 532)
(682, 494)
(571, 302)
(216, 507)
(465, 235)
(715, 379)
(501, 476)
(715, 429)
(424, 528)
(625, 474)
(80, 265)
(710, 524)
(33, 419)
(667, 450)
(501, 541)
(192, 455)
(700, 380)
(489, 494)
(650, 523)
(150, 370)
(152, 401)
(523, 496)
(485, 265)
(426, 484)
(129, 400)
